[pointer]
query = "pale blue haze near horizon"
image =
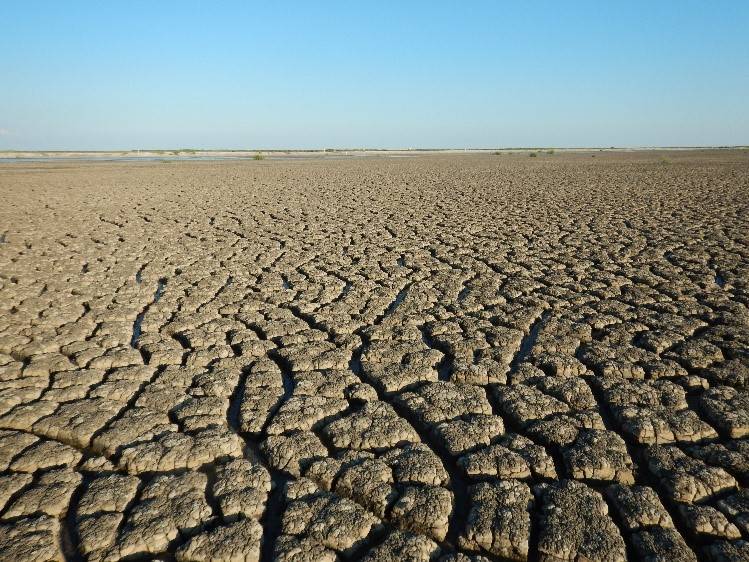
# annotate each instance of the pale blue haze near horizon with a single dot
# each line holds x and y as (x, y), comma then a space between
(124, 75)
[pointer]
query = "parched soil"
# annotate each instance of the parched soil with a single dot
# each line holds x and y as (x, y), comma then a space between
(454, 358)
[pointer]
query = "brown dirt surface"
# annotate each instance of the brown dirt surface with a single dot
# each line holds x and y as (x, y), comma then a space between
(442, 357)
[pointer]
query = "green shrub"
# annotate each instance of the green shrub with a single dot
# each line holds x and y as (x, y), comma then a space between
(533, 155)
(258, 156)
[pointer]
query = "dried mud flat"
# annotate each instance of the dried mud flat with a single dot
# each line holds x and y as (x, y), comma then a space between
(458, 358)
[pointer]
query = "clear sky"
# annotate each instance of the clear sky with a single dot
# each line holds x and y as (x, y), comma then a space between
(158, 74)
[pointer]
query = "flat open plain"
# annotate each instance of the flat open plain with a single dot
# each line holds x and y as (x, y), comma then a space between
(454, 358)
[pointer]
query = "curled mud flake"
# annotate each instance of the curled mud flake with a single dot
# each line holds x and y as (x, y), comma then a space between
(638, 507)
(462, 435)
(45, 455)
(728, 410)
(575, 524)
(239, 541)
(707, 522)
(402, 545)
(658, 543)
(168, 506)
(442, 401)
(499, 520)
(599, 455)
(369, 483)
(736, 508)
(174, 451)
(512, 456)
(49, 494)
(241, 489)
(293, 452)
(686, 479)
(10, 484)
(332, 522)
(31, 539)
(303, 413)
(376, 426)
(425, 510)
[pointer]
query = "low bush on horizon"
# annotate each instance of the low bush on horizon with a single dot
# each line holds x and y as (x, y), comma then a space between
(258, 156)
(533, 155)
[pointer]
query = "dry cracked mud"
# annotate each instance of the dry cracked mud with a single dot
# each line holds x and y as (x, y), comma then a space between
(447, 358)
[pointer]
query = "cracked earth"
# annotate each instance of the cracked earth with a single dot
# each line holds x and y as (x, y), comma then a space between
(454, 358)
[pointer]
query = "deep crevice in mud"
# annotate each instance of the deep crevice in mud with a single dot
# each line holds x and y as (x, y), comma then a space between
(139, 273)
(399, 298)
(308, 319)
(445, 366)
(376, 536)
(275, 503)
(273, 515)
(528, 341)
(137, 325)
(286, 375)
(621, 525)
(463, 294)
(69, 540)
(210, 473)
(235, 403)
(535, 529)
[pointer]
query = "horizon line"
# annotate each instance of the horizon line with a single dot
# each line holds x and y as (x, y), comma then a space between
(383, 149)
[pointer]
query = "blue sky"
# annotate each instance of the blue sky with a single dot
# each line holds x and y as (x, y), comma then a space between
(117, 75)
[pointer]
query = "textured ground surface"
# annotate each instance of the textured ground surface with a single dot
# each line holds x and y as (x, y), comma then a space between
(454, 358)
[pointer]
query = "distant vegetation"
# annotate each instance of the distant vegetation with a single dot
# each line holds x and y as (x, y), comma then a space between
(258, 156)
(533, 155)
